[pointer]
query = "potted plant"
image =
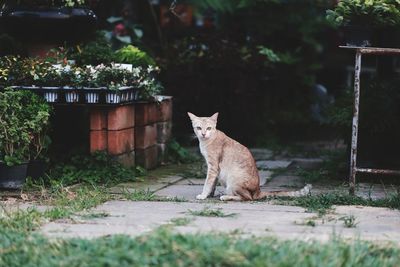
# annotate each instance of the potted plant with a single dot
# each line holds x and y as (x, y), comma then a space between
(40, 141)
(22, 114)
(89, 84)
(359, 18)
(132, 55)
(116, 80)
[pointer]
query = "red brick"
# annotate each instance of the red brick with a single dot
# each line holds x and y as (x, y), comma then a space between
(164, 130)
(145, 113)
(164, 110)
(145, 136)
(127, 159)
(121, 117)
(147, 158)
(98, 140)
(121, 141)
(98, 119)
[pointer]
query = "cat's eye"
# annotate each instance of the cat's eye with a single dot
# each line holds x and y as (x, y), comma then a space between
(198, 128)
(208, 128)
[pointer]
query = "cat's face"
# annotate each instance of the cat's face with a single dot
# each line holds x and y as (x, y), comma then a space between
(204, 127)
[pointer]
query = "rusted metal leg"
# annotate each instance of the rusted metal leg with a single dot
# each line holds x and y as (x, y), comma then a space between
(354, 136)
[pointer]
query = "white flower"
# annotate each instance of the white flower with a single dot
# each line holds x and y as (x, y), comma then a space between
(136, 71)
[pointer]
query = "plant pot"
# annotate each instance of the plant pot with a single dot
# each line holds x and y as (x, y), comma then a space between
(92, 95)
(50, 94)
(36, 169)
(71, 95)
(12, 177)
(47, 23)
(113, 97)
(358, 36)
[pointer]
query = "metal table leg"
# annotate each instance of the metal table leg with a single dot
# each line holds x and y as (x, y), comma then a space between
(354, 136)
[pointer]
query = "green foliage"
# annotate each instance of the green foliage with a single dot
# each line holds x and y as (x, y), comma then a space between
(209, 212)
(113, 77)
(177, 153)
(323, 202)
(98, 168)
(24, 116)
(94, 53)
(349, 221)
(132, 55)
(372, 13)
(140, 195)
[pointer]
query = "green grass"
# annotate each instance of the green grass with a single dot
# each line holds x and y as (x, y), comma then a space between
(140, 195)
(323, 203)
(209, 212)
(165, 248)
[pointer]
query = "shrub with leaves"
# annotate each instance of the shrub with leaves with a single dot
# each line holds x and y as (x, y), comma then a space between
(133, 55)
(23, 115)
(373, 13)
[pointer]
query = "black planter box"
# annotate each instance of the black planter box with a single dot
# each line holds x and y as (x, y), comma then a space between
(13, 177)
(47, 23)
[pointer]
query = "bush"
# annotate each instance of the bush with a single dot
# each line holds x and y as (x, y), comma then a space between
(133, 55)
(23, 115)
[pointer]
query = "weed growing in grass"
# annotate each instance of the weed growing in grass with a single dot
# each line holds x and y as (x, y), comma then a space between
(140, 195)
(95, 215)
(209, 212)
(349, 221)
(22, 221)
(323, 203)
(181, 221)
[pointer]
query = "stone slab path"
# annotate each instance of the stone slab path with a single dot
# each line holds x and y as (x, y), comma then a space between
(259, 219)
(250, 218)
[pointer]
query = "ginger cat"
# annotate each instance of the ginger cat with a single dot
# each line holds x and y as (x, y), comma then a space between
(230, 163)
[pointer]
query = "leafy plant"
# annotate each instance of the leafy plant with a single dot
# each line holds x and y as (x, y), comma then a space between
(111, 77)
(349, 221)
(94, 53)
(209, 212)
(177, 153)
(133, 55)
(23, 116)
(376, 13)
(98, 168)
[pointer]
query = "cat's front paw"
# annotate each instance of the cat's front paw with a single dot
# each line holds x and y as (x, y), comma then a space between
(201, 197)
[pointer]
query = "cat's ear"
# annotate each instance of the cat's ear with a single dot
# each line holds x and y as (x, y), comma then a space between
(214, 117)
(192, 116)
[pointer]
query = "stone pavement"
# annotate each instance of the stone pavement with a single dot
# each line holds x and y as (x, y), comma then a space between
(250, 218)
(258, 219)
(184, 182)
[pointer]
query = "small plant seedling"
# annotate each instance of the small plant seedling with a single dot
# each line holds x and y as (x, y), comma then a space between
(349, 221)
(209, 212)
(95, 215)
(307, 222)
(140, 195)
(181, 221)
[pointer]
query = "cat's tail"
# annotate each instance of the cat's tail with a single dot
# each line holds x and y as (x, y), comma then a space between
(303, 192)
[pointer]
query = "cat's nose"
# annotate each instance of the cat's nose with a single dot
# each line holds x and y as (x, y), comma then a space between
(203, 134)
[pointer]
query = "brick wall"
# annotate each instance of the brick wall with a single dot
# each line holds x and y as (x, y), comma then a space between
(136, 134)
